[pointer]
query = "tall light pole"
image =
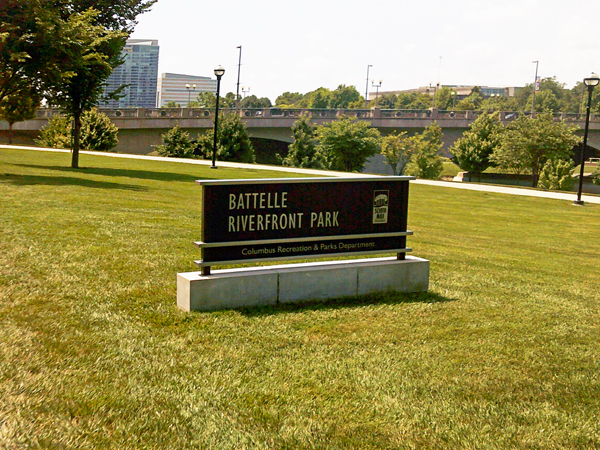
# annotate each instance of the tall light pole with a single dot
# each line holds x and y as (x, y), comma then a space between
(537, 63)
(219, 71)
(367, 89)
(376, 85)
(591, 82)
(188, 87)
(237, 94)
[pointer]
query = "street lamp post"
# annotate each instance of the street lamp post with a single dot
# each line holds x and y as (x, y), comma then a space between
(188, 87)
(219, 71)
(376, 85)
(591, 82)
(237, 94)
(367, 89)
(535, 84)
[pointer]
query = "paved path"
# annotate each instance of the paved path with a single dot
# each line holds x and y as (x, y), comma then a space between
(469, 186)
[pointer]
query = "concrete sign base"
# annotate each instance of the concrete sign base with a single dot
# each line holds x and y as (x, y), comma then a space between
(271, 285)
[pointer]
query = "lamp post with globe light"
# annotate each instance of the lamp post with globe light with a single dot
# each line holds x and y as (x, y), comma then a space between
(591, 82)
(219, 71)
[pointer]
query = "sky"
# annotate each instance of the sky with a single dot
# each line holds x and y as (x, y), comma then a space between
(299, 46)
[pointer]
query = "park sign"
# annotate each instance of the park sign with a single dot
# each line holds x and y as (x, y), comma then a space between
(290, 218)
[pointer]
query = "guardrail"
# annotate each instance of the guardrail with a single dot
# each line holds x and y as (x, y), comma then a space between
(279, 113)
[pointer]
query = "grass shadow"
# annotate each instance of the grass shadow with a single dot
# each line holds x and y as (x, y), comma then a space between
(126, 173)
(33, 180)
(385, 298)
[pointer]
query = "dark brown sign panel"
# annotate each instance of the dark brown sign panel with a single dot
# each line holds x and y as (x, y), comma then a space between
(245, 220)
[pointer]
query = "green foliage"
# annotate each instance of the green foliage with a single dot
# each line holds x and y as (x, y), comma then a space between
(98, 132)
(253, 101)
(303, 151)
(346, 144)
(17, 107)
(444, 99)
(233, 141)
(557, 175)
(426, 161)
(57, 134)
(176, 144)
(288, 100)
(172, 104)
(473, 150)
(344, 97)
(596, 175)
(397, 150)
(528, 143)
(413, 100)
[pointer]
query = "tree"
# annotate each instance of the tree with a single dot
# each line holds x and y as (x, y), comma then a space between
(253, 101)
(233, 140)
(97, 132)
(528, 143)
(557, 174)
(444, 98)
(319, 98)
(176, 144)
(473, 150)
(413, 100)
(17, 107)
(57, 134)
(172, 104)
(387, 101)
(426, 161)
(397, 150)
(93, 52)
(303, 151)
(347, 144)
(344, 96)
(288, 100)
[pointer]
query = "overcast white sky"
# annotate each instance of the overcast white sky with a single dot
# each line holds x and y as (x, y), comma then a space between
(298, 46)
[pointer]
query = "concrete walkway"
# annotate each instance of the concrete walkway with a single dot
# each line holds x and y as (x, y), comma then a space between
(327, 173)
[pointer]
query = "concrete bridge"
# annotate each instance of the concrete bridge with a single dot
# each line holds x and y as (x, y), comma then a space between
(140, 129)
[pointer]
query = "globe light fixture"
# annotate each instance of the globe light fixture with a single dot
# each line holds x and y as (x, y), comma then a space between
(219, 71)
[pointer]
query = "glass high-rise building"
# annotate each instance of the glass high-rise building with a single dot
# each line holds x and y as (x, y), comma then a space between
(139, 73)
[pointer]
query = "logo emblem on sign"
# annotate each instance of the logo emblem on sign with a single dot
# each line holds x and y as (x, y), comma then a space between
(381, 200)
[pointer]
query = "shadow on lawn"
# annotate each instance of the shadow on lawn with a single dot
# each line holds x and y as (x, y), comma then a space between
(33, 180)
(388, 298)
(127, 173)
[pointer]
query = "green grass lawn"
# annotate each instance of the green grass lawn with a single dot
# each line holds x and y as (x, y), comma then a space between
(503, 352)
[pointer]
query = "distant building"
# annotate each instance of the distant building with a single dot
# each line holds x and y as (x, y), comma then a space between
(461, 91)
(178, 88)
(139, 73)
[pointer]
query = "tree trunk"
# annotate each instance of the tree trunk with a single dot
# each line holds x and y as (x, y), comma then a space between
(10, 133)
(76, 133)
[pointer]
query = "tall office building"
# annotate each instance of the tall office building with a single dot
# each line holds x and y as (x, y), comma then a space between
(181, 89)
(139, 73)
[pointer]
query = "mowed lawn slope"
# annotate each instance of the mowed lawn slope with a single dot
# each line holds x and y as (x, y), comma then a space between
(503, 352)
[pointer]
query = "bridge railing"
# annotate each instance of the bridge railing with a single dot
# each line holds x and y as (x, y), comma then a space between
(293, 113)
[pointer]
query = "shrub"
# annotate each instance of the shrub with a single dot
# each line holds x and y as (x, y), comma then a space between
(176, 144)
(57, 134)
(557, 174)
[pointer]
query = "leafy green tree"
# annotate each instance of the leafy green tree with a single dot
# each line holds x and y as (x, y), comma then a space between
(397, 150)
(528, 143)
(176, 143)
(557, 174)
(319, 98)
(343, 96)
(473, 150)
(98, 132)
(17, 107)
(253, 101)
(596, 175)
(288, 100)
(303, 151)
(413, 100)
(94, 52)
(57, 134)
(207, 100)
(444, 99)
(347, 144)
(233, 140)
(172, 104)
(426, 161)
(387, 101)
